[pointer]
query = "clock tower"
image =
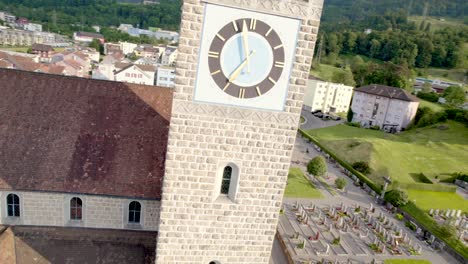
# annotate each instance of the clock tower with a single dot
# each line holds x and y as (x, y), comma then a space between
(240, 78)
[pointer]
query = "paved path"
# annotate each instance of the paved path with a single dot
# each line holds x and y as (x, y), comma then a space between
(313, 122)
(353, 195)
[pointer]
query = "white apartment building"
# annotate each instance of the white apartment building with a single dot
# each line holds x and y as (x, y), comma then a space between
(390, 108)
(127, 47)
(33, 27)
(165, 76)
(327, 96)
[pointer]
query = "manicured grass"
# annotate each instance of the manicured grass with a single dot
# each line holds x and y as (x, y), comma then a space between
(17, 49)
(406, 261)
(299, 186)
(428, 150)
(428, 200)
(434, 106)
(325, 72)
(437, 23)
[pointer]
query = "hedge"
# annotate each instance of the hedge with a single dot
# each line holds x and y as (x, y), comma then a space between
(424, 187)
(343, 163)
(431, 225)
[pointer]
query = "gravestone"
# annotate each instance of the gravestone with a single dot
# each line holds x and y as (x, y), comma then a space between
(436, 212)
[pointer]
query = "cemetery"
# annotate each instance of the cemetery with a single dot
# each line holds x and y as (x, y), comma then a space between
(453, 218)
(311, 233)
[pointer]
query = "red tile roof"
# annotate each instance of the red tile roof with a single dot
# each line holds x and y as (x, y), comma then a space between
(68, 134)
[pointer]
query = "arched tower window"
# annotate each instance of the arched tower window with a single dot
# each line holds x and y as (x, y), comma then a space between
(76, 207)
(134, 212)
(13, 205)
(226, 181)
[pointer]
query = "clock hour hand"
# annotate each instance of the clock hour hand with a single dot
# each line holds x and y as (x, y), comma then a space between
(239, 68)
(245, 40)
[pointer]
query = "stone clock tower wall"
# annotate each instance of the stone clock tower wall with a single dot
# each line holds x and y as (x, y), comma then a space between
(197, 226)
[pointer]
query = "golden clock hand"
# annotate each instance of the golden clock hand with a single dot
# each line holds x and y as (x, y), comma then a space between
(239, 68)
(245, 40)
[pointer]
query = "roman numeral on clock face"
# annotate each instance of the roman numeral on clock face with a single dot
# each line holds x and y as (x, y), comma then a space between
(241, 93)
(279, 64)
(213, 54)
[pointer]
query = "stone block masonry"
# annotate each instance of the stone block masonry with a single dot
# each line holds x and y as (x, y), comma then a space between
(195, 226)
(53, 209)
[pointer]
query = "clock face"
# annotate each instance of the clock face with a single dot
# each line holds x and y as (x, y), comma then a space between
(246, 58)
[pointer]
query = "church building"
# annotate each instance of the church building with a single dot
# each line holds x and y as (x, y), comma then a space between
(94, 171)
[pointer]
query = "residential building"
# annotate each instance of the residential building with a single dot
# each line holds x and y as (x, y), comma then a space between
(165, 76)
(327, 96)
(131, 73)
(27, 62)
(72, 68)
(87, 37)
(390, 108)
(110, 48)
(437, 85)
(33, 27)
(15, 37)
(170, 36)
(147, 51)
(169, 56)
(146, 61)
(127, 47)
(44, 51)
(7, 17)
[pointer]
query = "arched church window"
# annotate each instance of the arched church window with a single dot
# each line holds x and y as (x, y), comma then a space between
(134, 212)
(13, 205)
(76, 208)
(226, 182)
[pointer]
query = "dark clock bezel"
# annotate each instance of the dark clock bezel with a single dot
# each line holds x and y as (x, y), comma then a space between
(214, 58)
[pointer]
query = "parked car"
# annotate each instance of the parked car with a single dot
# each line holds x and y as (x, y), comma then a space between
(336, 118)
(316, 111)
(319, 115)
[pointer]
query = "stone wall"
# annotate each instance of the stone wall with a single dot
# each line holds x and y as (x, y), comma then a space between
(53, 209)
(194, 227)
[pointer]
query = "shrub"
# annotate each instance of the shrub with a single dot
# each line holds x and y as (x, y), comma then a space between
(317, 166)
(336, 241)
(340, 183)
(399, 217)
(375, 127)
(410, 225)
(362, 167)
(397, 197)
(431, 97)
(354, 124)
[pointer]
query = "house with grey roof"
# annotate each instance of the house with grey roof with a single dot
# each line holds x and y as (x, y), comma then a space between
(390, 108)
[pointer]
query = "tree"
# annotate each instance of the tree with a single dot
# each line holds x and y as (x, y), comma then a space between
(421, 26)
(350, 115)
(317, 166)
(344, 76)
(362, 167)
(396, 197)
(428, 27)
(340, 183)
(96, 44)
(375, 48)
(425, 49)
(427, 87)
(454, 95)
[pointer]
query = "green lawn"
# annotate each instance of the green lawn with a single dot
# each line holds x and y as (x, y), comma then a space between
(428, 150)
(17, 49)
(325, 72)
(299, 187)
(438, 200)
(406, 261)
(438, 23)
(434, 106)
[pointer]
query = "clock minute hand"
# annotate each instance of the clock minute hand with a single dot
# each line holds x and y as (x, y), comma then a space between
(239, 68)
(245, 39)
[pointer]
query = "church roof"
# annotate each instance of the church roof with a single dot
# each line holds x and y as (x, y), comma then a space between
(387, 91)
(76, 135)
